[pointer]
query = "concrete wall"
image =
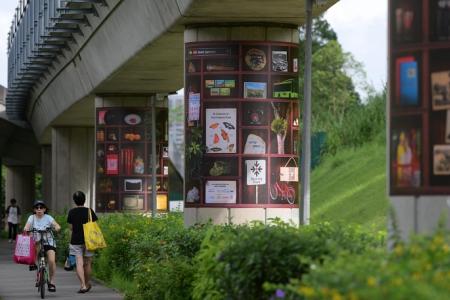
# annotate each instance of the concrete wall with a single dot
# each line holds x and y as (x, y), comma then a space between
(131, 26)
(419, 214)
(221, 215)
(46, 172)
(72, 166)
(20, 185)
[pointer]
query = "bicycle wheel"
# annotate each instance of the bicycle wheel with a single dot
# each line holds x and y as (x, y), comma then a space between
(290, 195)
(42, 282)
(273, 192)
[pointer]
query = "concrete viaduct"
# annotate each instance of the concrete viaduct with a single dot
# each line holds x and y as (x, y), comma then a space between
(67, 58)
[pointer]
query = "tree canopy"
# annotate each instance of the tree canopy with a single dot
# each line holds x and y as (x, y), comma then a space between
(335, 76)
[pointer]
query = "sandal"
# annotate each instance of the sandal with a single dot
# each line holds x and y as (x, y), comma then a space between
(82, 291)
(51, 288)
(88, 288)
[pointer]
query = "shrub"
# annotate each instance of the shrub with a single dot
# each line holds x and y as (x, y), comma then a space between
(156, 254)
(235, 264)
(420, 270)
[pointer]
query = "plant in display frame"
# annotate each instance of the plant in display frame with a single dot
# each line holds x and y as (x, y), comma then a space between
(279, 125)
(195, 150)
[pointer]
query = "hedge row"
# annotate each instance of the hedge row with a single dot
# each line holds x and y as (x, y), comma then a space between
(165, 260)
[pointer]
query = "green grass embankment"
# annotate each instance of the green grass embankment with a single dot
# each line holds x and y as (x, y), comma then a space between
(351, 187)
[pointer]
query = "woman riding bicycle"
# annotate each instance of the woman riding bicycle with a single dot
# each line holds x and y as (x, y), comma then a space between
(40, 220)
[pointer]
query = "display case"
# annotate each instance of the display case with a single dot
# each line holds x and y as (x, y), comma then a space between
(242, 117)
(123, 158)
(419, 98)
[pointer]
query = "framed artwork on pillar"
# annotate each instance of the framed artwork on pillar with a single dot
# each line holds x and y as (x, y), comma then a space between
(124, 158)
(242, 92)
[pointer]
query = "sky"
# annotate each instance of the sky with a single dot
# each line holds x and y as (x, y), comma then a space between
(361, 31)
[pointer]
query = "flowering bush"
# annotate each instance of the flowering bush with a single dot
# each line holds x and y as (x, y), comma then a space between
(419, 270)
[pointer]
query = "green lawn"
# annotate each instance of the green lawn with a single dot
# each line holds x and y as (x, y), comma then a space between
(351, 187)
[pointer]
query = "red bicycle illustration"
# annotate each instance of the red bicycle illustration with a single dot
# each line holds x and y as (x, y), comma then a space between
(282, 191)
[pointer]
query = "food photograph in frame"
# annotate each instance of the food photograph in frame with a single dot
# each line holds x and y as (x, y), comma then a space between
(255, 90)
(255, 59)
(441, 160)
(440, 90)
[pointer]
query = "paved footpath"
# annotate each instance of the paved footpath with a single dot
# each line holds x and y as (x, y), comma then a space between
(17, 283)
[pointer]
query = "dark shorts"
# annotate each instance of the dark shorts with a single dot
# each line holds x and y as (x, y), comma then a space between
(48, 247)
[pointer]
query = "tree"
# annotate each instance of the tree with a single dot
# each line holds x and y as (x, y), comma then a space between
(334, 76)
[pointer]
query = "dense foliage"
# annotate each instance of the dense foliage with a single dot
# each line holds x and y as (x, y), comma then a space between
(161, 259)
(165, 260)
(235, 264)
(419, 270)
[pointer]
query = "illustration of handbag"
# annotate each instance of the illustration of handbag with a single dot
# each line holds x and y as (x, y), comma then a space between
(289, 173)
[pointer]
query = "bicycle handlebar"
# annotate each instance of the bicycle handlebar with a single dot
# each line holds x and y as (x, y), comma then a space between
(48, 229)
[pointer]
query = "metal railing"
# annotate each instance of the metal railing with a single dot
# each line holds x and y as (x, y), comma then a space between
(39, 33)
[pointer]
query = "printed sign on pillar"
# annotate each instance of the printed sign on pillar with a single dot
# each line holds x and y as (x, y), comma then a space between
(256, 172)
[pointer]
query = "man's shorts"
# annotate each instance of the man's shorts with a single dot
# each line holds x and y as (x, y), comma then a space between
(79, 250)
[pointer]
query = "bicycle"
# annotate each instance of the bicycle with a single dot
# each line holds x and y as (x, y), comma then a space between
(283, 191)
(42, 274)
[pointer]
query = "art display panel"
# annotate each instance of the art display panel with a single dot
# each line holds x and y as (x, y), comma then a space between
(237, 154)
(123, 159)
(419, 97)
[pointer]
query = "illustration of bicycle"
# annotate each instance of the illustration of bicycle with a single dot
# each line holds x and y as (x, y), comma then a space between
(282, 191)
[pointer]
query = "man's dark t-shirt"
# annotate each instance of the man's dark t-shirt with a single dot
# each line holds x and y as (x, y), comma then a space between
(77, 217)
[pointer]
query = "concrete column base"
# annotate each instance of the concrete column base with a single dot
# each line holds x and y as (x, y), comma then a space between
(223, 216)
(419, 215)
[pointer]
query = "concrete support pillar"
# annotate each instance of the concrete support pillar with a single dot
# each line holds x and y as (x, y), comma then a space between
(73, 163)
(46, 170)
(20, 185)
(418, 215)
(239, 35)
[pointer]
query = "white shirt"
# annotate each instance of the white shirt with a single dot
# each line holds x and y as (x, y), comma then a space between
(41, 224)
(12, 215)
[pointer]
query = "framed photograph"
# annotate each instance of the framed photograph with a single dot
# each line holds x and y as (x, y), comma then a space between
(215, 91)
(279, 61)
(165, 151)
(447, 128)
(220, 191)
(406, 157)
(224, 91)
(133, 202)
(441, 160)
(229, 83)
(194, 107)
(220, 126)
(132, 185)
(255, 90)
(440, 90)
(220, 83)
(209, 83)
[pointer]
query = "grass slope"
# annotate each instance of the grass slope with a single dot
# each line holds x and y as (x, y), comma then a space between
(351, 187)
